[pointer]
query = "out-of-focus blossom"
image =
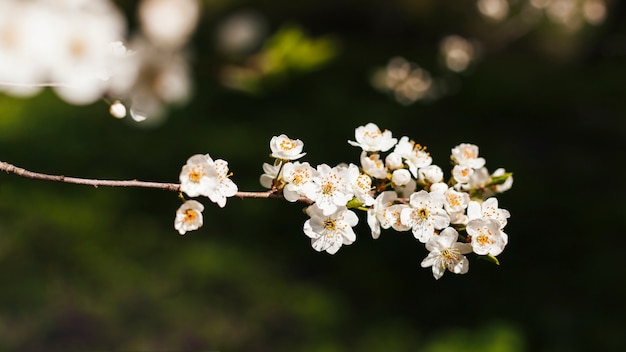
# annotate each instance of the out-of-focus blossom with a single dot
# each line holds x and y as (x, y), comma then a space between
(405, 80)
(169, 23)
(496, 10)
(240, 33)
(457, 52)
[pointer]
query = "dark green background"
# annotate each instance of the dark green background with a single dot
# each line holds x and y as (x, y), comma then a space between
(104, 269)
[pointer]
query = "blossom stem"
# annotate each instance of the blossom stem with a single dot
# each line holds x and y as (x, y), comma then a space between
(12, 169)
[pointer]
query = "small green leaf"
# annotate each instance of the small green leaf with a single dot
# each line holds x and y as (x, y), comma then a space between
(498, 180)
(490, 258)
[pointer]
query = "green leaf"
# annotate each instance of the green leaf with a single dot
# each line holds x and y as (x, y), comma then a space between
(498, 180)
(490, 258)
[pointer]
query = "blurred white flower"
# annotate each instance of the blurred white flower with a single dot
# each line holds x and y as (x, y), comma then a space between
(168, 23)
(240, 33)
(457, 52)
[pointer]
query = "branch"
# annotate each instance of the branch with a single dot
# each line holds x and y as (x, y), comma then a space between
(175, 187)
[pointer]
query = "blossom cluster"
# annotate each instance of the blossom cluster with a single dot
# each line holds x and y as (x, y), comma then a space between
(202, 176)
(403, 191)
(81, 49)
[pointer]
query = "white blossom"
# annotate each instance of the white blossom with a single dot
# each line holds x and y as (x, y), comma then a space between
(328, 232)
(285, 148)
(298, 177)
(373, 166)
(430, 174)
(415, 155)
(446, 253)
(489, 210)
(466, 154)
(168, 23)
(487, 238)
(425, 215)
(385, 214)
(188, 217)
(401, 177)
(270, 172)
(199, 176)
(331, 189)
(225, 186)
(361, 185)
(371, 139)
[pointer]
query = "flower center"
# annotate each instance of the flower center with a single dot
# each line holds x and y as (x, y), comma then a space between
(423, 213)
(287, 145)
(469, 154)
(190, 216)
(330, 225)
(328, 188)
(449, 257)
(484, 240)
(196, 174)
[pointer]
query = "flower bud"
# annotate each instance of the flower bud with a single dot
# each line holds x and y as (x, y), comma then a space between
(394, 161)
(401, 177)
(117, 110)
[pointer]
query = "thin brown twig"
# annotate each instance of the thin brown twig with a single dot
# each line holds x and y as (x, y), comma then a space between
(175, 187)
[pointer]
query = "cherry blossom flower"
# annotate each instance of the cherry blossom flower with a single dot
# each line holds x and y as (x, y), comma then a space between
(401, 177)
(373, 166)
(371, 139)
(487, 238)
(331, 189)
(430, 174)
(199, 176)
(225, 186)
(188, 217)
(285, 148)
(298, 177)
(385, 214)
(488, 209)
(425, 215)
(270, 172)
(466, 154)
(361, 185)
(328, 232)
(414, 155)
(446, 253)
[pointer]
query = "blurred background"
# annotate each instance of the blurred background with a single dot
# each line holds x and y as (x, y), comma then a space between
(538, 85)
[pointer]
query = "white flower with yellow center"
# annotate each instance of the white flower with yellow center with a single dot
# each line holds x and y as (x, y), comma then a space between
(361, 185)
(298, 177)
(489, 210)
(198, 176)
(373, 166)
(385, 214)
(225, 187)
(454, 201)
(425, 215)
(371, 139)
(330, 188)
(328, 232)
(188, 217)
(447, 253)
(486, 236)
(414, 155)
(466, 154)
(286, 148)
